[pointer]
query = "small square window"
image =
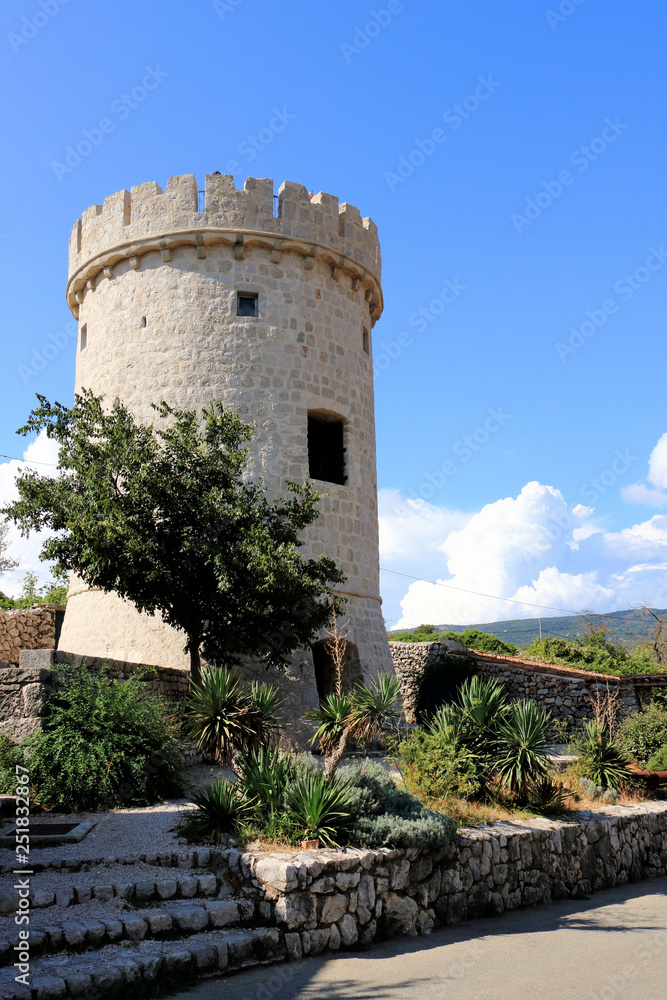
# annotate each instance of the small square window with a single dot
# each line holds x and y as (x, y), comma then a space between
(247, 304)
(366, 341)
(84, 337)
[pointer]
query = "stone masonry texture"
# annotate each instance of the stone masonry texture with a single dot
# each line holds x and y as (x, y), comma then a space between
(154, 282)
(565, 692)
(27, 628)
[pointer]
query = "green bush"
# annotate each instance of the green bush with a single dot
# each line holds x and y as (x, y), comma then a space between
(480, 739)
(595, 653)
(437, 766)
(10, 755)
(643, 733)
(658, 762)
(385, 816)
(103, 743)
(473, 638)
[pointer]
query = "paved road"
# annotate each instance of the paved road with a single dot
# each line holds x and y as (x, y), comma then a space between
(613, 947)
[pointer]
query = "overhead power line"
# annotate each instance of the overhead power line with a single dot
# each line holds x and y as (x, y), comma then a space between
(26, 461)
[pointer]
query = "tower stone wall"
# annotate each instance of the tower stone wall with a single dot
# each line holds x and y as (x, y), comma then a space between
(153, 282)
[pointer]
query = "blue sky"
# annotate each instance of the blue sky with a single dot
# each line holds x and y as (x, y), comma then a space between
(512, 157)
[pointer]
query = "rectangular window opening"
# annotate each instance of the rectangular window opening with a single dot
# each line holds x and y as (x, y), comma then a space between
(326, 454)
(247, 304)
(84, 337)
(142, 321)
(366, 340)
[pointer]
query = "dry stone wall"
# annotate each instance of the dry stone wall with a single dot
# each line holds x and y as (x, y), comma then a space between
(21, 694)
(329, 899)
(566, 692)
(27, 628)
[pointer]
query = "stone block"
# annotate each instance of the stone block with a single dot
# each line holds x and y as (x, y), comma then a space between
(299, 909)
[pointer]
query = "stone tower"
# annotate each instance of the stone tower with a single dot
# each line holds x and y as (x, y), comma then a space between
(266, 304)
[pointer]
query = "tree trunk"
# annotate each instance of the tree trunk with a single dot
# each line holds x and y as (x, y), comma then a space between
(333, 759)
(195, 665)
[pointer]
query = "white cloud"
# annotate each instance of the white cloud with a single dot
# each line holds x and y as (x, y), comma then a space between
(532, 548)
(44, 454)
(654, 495)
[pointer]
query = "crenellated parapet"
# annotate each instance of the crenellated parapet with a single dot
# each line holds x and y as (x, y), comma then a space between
(144, 220)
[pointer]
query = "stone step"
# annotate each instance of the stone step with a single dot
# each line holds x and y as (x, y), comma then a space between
(106, 924)
(150, 965)
(72, 889)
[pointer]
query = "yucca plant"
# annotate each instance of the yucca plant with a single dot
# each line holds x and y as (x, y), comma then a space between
(522, 746)
(360, 715)
(600, 757)
(220, 808)
(373, 707)
(225, 718)
(265, 776)
(332, 718)
(320, 809)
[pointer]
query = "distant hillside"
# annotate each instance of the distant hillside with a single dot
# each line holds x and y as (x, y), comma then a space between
(627, 627)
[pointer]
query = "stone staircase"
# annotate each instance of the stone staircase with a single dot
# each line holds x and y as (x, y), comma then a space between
(105, 927)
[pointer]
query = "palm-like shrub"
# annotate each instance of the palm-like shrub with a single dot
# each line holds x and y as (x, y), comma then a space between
(360, 715)
(220, 808)
(265, 776)
(320, 809)
(226, 718)
(522, 748)
(373, 707)
(600, 758)
(332, 718)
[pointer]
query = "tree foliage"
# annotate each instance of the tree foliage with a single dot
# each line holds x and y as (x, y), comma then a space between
(165, 516)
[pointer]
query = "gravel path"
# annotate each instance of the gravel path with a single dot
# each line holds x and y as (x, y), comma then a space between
(122, 832)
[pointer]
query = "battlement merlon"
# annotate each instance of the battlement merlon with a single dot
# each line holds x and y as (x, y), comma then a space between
(146, 219)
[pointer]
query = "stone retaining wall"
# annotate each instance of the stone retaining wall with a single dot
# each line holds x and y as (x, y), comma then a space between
(326, 899)
(565, 691)
(22, 687)
(27, 628)
(21, 690)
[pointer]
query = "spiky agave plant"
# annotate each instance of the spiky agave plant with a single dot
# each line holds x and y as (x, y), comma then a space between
(225, 718)
(600, 757)
(320, 809)
(373, 707)
(220, 808)
(522, 746)
(265, 776)
(332, 718)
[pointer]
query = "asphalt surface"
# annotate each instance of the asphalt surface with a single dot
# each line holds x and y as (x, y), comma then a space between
(613, 946)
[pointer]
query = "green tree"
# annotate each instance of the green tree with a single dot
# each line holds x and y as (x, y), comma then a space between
(165, 516)
(5, 562)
